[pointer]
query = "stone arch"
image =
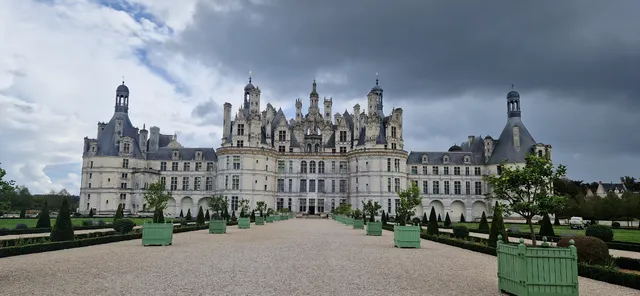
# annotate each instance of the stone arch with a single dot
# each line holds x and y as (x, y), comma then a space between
(185, 204)
(171, 208)
(438, 206)
(203, 202)
(477, 208)
(457, 208)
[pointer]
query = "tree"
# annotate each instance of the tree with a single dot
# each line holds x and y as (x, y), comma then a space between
(424, 218)
(218, 205)
(497, 227)
(462, 220)
(447, 220)
(546, 228)
(119, 213)
(244, 208)
(432, 225)
(207, 217)
(7, 190)
(189, 217)
(409, 200)
(261, 206)
(526, 190)
(439, 218)
(384, 218)
(484, 224)
(225, 212)
(63, 229)
(253, 215)
(44, 220)
(157, 199)
(233, 215)
(371, 208)
(200, 216)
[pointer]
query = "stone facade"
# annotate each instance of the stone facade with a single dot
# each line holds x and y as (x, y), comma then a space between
(310, 163)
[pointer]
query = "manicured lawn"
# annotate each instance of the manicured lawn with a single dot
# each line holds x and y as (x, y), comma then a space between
(623, 235)
(11, 223)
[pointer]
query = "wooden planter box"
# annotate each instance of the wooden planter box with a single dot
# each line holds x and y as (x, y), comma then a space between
(259, 221)
(349, 222)
(157, 234)
(358, 224)
(276, 218)
(244, 223)
(269, 219)
(218, 226)
(406, 236)
(285, 217)
(539, 271)
(374, 228)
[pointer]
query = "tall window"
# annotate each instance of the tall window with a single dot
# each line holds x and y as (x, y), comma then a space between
(389, 184)
(290, 185)
(456, 171)
(333, 185)
(343, 185)
(320, 167)
(174, 183)
(210, 166)
(394, 132)
(303, 167)
(125, 163)
(388, 164)
(209, 184)
(198, 166)
(280, 185)
(126, 148)
(321, 186)
(174, 166)
(185, 183)
(333, 167)
(446, 187)
(312, 185)
(396, 184)
(280, 166)
(186, 166)
(312, 167)
(234, 203)
(396, 165)
(163, 181)
(279, 203)
(343, 136)
(343, 167)
(414, 170)
(196, 183)
(476, 171)
(303, 185)
(236, 162)
(435, 170)
(457, 187)
(436, 187)
(235, 182)
(163, 166)
(466, 171)
(282, 136)
(467, 188)
(425, 187)
(388, 206)
(226, 182)
(446, 171)
(240, 129)
(478, 189)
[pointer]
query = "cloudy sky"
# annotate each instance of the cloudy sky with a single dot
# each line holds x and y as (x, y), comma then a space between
(576, 65)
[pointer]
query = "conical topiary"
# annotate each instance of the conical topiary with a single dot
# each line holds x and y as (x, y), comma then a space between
(253, 216)
(432, 225)
(462, 220)
(63, 229)
(383, 218)
(484, 224)
(119, 213)
(44, 220)
(181, 214)
(233, 215)
(189, 217)
(497, 227)
(200, 217)
(439, 218)
(424, 218)
(447, 220)
(207, 217)
(556, 222)
(546, 228)
(225, 214)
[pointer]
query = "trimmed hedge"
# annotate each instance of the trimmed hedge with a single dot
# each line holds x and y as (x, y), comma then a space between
(4, 232)
(599, 273)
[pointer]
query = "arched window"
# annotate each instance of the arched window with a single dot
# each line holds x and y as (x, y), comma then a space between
(317, 149)
(320, 167)
(312, 167)
(303, 167)
(309, 148)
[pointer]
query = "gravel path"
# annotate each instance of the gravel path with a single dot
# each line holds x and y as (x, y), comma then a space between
(294, 257)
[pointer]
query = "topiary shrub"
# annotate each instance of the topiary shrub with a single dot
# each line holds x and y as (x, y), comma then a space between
(447, 220)
(44, 221)
(460, 231)
(546, 228)
(439, 218)
(432, 225)
(425, 221)
(200, 217)
(615, 225)
(484, 224)
(602, 232)
(462, 220)
(556, 222)
(207, 217)
(189, 217)
(497, 227)
(591, 250)
(21, 226)
(122, 226)
(63, 229)
(119, 213)
(416, 221)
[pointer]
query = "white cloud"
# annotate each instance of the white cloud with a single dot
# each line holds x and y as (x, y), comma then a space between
(60, 63)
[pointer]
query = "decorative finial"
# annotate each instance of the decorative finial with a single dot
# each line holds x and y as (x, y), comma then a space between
(249, 76)
(175, 136)
(376, 78)
(513, 86)
(144, 126)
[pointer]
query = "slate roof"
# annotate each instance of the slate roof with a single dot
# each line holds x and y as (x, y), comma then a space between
(436, 158)
(165, 153)
(108, 141)
(505, 148)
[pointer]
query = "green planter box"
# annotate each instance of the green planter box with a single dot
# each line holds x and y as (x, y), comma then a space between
(541, 271)
(358, 224)
(259, 220)
(157, 234)
(374, 228)
(276, 218)
(406, 236)
(218, 226)
(244, 223)
(349, 222)
(269, 219)
(283, 217)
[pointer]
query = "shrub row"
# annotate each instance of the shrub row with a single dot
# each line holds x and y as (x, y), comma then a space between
(4, 231)
(598, 273)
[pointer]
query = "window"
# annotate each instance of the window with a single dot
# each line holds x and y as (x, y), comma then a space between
(210, 166)
(123, 185)
(333, 167)
(436, 187)
(240, 143)
(499, 170)
(198, 166)
(467, 159)
(185, 183)
(186, 166)
(282, 136)
(457, 187)
(343, 167)
(235, 182)
(90, 175)
(282, 149)
(174, 166)
(425, 187)
(163, 181)
(446, 171)
(466, 171)
(240, 130)
(394, 146)
(343, 149)
(312, 185)
(124, 175)
(456, 171)
(280, 166)
(333, 185)
(396, 165)
(227, 161)
(321, 186)
(126, 148)
(445, 159)
(163, 166)
(396, 184)
(394, 132)
(312, 167)
(388, 206)
(389, 184)
(279, 203)
(290, 185)
(414, 170)
(435, 170)
(89, 185)
(478, 189)
(446, 187)
(303, 185)
(196, 183)
(343, 136)
(320, 167)
(333, 204)
(425, 170)
(476, 171)
(280, 187)
(467, 188)
(303, 167)
(397, 202)
(343, 185)
(303, 204)
(174, 183)
(209, 184)
(125, 163)
(236, 162)
(388, 164)
(234, 203)
(226, 182)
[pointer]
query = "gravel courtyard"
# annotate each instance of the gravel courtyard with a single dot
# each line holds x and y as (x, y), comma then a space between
(294, 257)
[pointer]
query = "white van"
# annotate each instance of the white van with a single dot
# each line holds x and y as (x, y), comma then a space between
(576, 223)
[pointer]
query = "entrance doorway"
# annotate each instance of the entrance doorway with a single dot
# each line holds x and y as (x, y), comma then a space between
(312, 206)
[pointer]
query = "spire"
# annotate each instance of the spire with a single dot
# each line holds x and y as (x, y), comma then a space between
(376, 79)
(314, 92)
(122, 98)
(513, 103)
(249, 76)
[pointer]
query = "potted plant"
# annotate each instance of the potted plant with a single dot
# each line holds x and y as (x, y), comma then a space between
(371, 208)
(405, 236)
(244, 222)
(217, 225)
(283, 214)
(261, 206)
(527, 191)
(157, 232)
(358, 222)
(269, 217)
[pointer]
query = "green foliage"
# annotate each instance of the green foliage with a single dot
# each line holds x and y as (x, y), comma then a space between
(157, 199)
(371, 208)
(546, 228)
(253, 216)
(409, 200)
(602, 232)
(527, 190)
(484, 224)
(90, 213)
(439, 218)
(383, 218)
(416, 221)
(23, 213)
(200, 216)
(6, 187)
(462, 220)
(432, 225)
(218, 205)
(343, 209)
(233, 216)
(181, 214)
(497, 227)
(356, 214)
(556, 222)
(225, 214)
(615, 225)
(270, 211)
(63, 229)
(425, 221)
(207, 216)
(261, 207)
(591, 250)
(244, 208)
(460, 231)
(123, 226)
(447, 220)
(44, 220)
(119, 213)
(188, 217)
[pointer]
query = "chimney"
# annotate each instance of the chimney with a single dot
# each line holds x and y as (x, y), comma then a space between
(471, 138)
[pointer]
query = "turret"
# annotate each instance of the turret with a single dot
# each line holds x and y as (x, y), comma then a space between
(313, 98)
(513, 103)
(144, 134)
(298, 110)
(154, 139)
(327, 110)
(122, 99)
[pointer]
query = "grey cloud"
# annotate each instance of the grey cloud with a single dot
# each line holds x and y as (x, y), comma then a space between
(208, 111)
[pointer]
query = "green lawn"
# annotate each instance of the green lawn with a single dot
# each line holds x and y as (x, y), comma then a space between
(623, 235)
(11, 223)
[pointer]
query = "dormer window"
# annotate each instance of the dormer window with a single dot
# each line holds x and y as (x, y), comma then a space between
(467, 159)
(445, 159)
(425, 159)
(175, 155)
(198, 155)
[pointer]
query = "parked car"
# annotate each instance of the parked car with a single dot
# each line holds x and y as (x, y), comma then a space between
(576, 223)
